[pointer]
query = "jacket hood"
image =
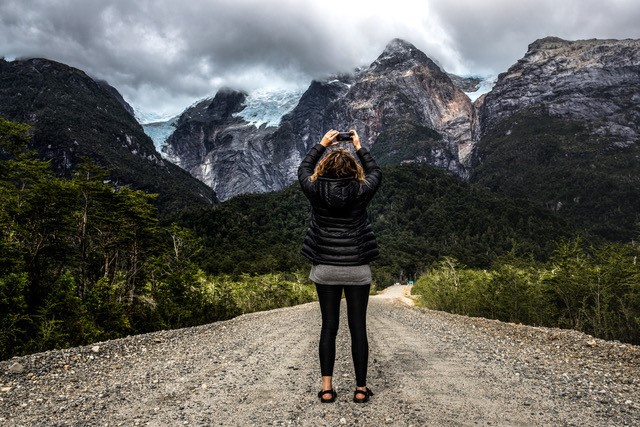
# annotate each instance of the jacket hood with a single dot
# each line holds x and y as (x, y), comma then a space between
(338, 192)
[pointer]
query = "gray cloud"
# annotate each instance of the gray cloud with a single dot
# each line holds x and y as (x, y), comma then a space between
(494, 34)
(164, 54)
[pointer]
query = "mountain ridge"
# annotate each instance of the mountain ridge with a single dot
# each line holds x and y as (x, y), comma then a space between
(592, 84)
(72, 115)
(426, 104)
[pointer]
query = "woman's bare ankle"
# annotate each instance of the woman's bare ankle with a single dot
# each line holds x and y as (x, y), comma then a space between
(327, 382)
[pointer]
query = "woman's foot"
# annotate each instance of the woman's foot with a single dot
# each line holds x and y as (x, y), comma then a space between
(361, 394)
(327, 396)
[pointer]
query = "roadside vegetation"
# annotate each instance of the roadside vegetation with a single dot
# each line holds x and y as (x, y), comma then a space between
(594, 289)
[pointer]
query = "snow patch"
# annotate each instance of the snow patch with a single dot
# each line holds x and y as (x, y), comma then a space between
(147, 117)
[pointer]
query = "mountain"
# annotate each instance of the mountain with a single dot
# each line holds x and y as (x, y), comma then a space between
(560, 127)
(73, 115)
(224, 151)
(405, 108)
(114, 92)
(268, 106)
(466, 83)
(593, 81)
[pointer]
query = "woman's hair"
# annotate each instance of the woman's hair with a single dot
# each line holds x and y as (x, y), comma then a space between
(338, 163)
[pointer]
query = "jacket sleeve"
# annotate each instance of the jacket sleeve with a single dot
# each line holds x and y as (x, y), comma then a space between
(308, 165)
(372, 172)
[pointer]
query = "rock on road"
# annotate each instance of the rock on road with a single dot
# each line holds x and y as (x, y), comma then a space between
(425, 368)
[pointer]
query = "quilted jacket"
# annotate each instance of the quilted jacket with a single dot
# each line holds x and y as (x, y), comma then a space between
(339, 231)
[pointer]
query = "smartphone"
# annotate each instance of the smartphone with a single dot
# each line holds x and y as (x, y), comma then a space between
(344, 136)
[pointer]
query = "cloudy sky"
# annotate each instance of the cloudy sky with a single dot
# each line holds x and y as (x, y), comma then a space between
(162, 55)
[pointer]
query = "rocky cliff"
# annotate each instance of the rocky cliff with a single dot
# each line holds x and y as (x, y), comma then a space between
(560, 127)
(596, 82)
(222, 150)
(73, 115)
(405, 108)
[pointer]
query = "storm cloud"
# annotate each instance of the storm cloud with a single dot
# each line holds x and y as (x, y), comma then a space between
(164, 54)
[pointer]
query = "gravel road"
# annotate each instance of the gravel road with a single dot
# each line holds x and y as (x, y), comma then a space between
(425, 368)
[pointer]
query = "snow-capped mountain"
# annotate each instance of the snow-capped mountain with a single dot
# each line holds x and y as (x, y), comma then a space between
(261, 107)
(404, 107)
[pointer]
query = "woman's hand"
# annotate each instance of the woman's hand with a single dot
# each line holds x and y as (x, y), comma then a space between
(328, 138)
(356, 139)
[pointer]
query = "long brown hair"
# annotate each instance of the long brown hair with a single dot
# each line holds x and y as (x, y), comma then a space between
(338, 163)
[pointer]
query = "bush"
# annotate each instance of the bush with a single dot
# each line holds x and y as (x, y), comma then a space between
(14, 319)
(594, 290)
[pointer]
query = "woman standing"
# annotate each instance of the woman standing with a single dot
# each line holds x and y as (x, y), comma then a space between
(340, 243)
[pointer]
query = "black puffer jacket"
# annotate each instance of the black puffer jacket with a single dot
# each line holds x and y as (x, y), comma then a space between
(339, 232)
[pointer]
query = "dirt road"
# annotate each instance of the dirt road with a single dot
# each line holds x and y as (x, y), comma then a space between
(425, 368)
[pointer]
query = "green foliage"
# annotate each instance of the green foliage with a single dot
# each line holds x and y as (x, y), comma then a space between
(597, 289)
(257, 233)
(591, 289)
(270, 291)
(419, 215)
(83, 260)
(450, 287)
(61, 319)
(563, 166)
(402, 140)
(14, 317)
(256, 293)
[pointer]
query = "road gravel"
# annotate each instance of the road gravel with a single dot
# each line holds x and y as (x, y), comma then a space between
(425, 367)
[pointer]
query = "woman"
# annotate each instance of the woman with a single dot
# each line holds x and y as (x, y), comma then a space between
(340, 243)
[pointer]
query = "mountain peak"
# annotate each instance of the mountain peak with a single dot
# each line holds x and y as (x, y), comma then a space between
(399, 53)
(398, 46)
(548, 42)
(226, 102)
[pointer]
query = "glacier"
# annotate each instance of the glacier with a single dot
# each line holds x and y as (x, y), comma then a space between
(160, 131)
(486, 85)
(147, 117)
(262, 107)
(267, 106)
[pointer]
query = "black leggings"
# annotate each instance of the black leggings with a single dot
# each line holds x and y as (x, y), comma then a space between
(357, 298)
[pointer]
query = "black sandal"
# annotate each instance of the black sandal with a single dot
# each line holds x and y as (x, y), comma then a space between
(366, 393)
(331, 399)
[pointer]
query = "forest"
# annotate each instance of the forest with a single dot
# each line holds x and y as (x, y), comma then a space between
(83, 260)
